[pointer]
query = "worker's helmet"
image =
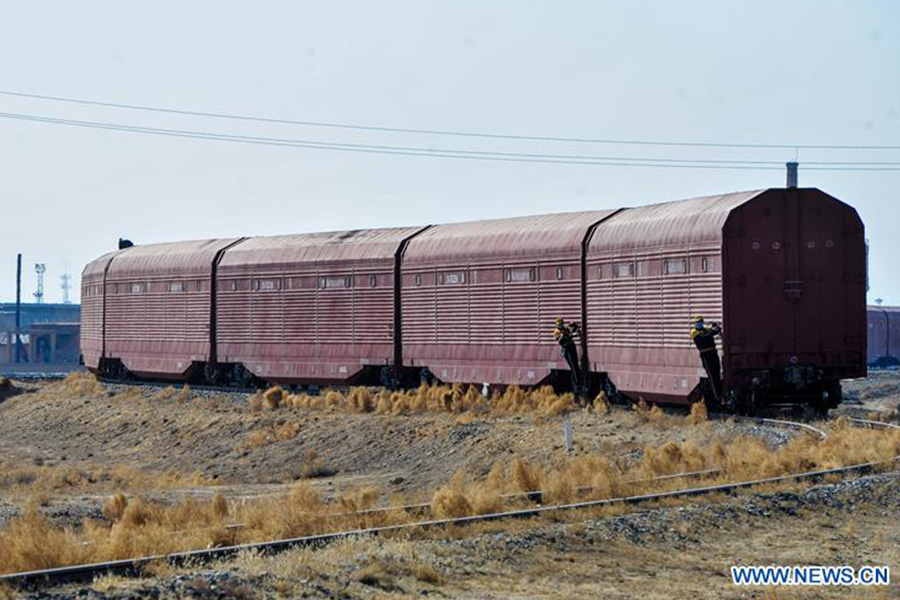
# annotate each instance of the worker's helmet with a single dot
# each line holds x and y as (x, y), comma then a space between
(560, 320)
(697, 319)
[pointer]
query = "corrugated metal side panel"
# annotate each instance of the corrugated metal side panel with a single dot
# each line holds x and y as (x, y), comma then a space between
(649, 270)
(513, 239)
(309, 307)
(480, 299)
(92, 290)
(336, 247)
(158, 306)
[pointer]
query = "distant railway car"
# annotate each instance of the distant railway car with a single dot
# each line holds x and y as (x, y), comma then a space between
(783, 270)
(884, 336)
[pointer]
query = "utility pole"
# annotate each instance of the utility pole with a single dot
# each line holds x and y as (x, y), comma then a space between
(18, 307)
(66, 286)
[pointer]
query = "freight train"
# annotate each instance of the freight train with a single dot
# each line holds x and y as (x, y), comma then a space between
(783, 270)
(884, 336)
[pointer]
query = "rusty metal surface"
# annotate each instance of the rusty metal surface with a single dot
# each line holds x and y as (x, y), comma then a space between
(158, 306)
(645, 279)
(309, 307)
(883, 334)
(796, 286)
(480, 298)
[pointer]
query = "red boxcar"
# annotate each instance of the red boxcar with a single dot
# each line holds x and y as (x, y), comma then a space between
(309, 308)
(157, 315)
(480, 298)
(784, 270)
(884, 336)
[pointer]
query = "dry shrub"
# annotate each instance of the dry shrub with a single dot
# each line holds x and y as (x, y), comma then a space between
(456, 399)
(114, 508)
(272, 398)
(333, 399)
(219, 505)
(698, 414)
(601, 404)
(360, 400)
(79, 384)
(428, 574)
(450, 502)
(183, 395)
(376, 575)
(286, 431)
(5, 384)
(313, 466)
(271, 434)
(359, 499)
(259, 438)
(527, 478)
(256, 402)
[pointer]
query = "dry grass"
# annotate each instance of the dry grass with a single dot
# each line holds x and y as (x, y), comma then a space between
(79, 384)
(465, 401)
(597, 477)
(698, 413)
(49, 479)
(270, 434)
(134, 527)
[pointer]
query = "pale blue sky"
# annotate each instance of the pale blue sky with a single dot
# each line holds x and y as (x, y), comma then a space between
(813, 72)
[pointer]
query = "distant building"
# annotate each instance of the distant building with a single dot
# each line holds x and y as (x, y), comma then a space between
(49, 335)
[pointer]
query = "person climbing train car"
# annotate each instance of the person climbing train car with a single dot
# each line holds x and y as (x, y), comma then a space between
(704, 337)
(565, 336)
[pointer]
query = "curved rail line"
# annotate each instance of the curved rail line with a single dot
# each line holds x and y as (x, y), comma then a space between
(134, 566)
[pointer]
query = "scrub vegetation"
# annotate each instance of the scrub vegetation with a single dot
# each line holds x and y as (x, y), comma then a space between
(132, 526)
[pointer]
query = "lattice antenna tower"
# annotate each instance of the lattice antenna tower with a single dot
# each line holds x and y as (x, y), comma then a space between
(65, 283)
(40, 269)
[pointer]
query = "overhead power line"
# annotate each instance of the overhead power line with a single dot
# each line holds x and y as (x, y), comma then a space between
(430, 152)
(444, 132)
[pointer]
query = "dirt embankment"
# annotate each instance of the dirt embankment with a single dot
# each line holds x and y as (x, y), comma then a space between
(218, 439)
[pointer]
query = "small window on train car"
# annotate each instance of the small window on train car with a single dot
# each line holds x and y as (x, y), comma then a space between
(176, 286)
(559, 272)
(418, 279)
(517, 275)
(624, 270)
(704, 264)
(373, 280)
(234, 285)
(453, 278)
(675, 266)
(269, 284)
(335, 282)
(137, 288)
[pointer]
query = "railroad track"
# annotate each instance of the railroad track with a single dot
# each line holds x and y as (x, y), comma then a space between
(134, 566)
